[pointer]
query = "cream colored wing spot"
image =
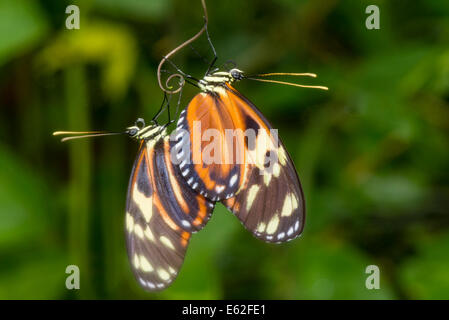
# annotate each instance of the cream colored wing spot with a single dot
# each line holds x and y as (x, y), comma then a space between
(149, 234)
(273, 224)
(267, 178)
(163, 274)
(261, 227)
(257, 156)
(233, 180)
(138, 230)
(252, 193)
(172, 271)
(276, 169)
(145, 266)
(129, 222)
(136, 261)
(282, 155)
(144, 203)
(294, 202)
(219, 189)
(166, 241)
(290, 204)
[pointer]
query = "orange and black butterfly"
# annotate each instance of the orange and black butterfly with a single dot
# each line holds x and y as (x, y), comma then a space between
(227, 151)
(254, 176)
(162, 211)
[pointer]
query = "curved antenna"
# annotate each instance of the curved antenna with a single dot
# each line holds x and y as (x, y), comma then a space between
(295, 74)
(289, 84)
(167, 89)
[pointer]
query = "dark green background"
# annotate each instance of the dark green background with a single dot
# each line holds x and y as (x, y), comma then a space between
(372, 152)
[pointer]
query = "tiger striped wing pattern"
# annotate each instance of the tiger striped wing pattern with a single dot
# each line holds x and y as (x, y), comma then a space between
(268, 200)
(162, 212)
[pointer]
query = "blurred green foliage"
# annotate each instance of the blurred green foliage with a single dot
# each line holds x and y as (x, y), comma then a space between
(372, 153)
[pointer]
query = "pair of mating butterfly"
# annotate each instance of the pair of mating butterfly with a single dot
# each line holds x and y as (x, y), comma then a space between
(171, 197)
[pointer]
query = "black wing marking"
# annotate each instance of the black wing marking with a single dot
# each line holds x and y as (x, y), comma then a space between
(271, 203)
(161, 214)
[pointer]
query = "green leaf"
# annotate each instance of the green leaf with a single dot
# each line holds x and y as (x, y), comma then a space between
(425, 276)
(22, 26)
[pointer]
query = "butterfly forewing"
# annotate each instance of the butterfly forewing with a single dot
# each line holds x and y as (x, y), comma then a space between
(210, 128)
(271, 202)
(161, 213)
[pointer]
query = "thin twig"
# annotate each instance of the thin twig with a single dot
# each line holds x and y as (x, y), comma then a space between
(182, 45)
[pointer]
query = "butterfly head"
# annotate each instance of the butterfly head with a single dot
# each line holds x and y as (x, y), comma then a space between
(214, 81)
(236, 74)
(140, 131)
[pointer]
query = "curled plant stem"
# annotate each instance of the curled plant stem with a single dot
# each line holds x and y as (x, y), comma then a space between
(166, 89)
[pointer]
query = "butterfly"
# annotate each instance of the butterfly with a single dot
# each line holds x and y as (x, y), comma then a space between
(248, 169)
(162, 211)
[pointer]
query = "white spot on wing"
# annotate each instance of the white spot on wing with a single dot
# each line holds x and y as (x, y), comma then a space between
(267, 178)
(233, 180)
(261, 227)
(138, 230)
(282, 156)
(185, 223)
(172, 271)
(136, 261)
(145, 266)
(149, 234)
(151, 285)
(144, 203)
(276, 169)
(287, 207)
(166, 241)
(273, 224)
(129, 222)
(163, 274)
(252, 193)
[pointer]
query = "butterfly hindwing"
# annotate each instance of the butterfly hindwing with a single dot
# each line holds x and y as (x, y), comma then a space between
(271, 205)
(161, 213)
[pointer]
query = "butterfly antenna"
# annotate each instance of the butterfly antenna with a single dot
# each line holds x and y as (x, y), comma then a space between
(72, 135)
(312, 75)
